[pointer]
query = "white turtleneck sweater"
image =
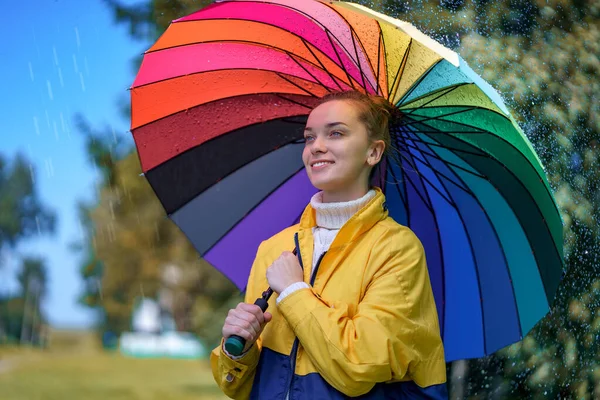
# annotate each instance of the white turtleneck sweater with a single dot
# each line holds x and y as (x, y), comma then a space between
(330, 219)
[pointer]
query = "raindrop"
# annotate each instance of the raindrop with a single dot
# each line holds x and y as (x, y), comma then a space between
(77, 37)
(30, 71)
(55, 55)
(55, 130)
(32, 173)
(62, 123)
(37, 224)
(82, 82)
(36, 125)
(49, 85)
(49, 167)
(60, 78)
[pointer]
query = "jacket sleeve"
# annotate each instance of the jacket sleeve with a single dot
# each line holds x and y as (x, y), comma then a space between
(235, 377)
(392, 335)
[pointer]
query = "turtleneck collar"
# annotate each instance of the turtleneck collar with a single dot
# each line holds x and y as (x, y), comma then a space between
(335, 215)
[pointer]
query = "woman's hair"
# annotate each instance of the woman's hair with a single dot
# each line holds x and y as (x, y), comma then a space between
(376, 112)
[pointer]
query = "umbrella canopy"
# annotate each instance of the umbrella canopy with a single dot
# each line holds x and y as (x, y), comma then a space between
(218, 112)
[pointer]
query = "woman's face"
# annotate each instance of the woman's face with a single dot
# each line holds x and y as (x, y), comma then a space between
(339, 154)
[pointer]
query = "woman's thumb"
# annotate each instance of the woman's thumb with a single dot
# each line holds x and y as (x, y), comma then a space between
(268, 316)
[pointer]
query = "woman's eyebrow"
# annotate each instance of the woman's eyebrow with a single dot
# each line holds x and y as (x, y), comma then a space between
(329, 125)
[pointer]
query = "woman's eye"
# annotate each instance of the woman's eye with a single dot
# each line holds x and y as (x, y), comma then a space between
(308, 138)
(336, 133)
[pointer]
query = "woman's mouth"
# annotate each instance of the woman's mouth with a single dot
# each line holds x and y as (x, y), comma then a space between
(320, 164)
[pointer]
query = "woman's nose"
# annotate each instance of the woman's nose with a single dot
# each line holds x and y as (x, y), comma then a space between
(318, 145)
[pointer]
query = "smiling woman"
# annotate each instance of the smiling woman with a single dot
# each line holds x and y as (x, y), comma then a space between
(334, 322)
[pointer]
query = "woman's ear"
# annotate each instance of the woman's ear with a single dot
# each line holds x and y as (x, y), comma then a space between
(376, 152)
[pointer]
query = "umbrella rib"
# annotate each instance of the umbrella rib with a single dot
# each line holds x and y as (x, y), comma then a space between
(385, 63)
(333, 78)
(419, 81)
(495, 235)
(379, 42)
(352, 34)
(401, 68)
(425, 179)
(252, 209)
(407, 177)
(556, 210)
(308, 72)
(358, 63)
(442, 94)
(280, 95)
(443, 89)
(530, 197)
(474, 265)
(404, 200)
(417, 139)
(294, 83)
(433, 155)
(340, 63)
(440, 117)
(435, 221)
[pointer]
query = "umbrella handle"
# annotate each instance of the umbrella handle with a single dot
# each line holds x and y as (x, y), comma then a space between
(234, 343)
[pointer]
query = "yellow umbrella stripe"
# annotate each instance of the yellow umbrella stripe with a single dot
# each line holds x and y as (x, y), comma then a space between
(465, 95)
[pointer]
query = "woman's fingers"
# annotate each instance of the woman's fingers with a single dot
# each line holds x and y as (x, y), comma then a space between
(246, 321)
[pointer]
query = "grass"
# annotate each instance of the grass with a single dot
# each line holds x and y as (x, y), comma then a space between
(82, 371)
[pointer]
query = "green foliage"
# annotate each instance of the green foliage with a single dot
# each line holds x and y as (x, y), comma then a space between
(22, 215)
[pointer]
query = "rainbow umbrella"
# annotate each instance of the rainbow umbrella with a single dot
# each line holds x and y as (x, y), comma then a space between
(218, 111)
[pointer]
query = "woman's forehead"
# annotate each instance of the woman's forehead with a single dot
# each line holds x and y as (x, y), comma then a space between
(335, 111)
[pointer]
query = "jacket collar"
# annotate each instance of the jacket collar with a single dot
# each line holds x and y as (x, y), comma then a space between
(374, 211)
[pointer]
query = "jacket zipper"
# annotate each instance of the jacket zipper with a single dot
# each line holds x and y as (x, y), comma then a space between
(296, 341)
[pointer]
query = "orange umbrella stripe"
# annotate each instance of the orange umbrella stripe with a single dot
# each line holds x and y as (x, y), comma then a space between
(189, 91)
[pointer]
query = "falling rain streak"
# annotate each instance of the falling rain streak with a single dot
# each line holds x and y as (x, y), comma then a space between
(77, 37)
(36, 125)
(49, 85)
(55, 56)
(31, 71)
(82, 82)
(49, 167)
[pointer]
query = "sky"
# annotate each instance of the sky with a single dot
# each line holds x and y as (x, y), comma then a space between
(60, 58)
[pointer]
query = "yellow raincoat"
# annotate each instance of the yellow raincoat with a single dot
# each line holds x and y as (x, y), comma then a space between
(367, 327)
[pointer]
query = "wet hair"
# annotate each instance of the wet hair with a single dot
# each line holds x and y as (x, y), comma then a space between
(376, 112)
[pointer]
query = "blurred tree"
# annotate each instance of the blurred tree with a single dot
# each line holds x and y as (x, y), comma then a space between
(33, 281)
(22, 215)
(21, 314)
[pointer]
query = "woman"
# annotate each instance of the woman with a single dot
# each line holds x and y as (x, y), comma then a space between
(355, 313)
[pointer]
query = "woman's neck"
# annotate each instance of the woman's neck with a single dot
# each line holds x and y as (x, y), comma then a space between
(344, 196)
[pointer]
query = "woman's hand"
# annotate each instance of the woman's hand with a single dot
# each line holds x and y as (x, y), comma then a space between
(285, 271)
(246, 321)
